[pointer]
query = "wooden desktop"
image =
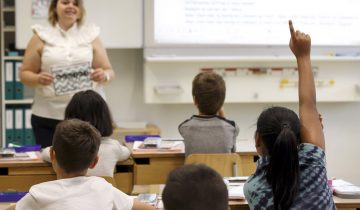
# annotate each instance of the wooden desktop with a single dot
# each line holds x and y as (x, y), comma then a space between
(142, 168)
(341, 204)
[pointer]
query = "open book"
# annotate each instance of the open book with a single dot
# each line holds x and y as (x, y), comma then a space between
(235, 186)
(164, 146)
(22, 156)
(345, 189)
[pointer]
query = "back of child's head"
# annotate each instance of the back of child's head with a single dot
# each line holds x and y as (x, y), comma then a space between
(89, 106)
(208, 90)
(195, 187)
(76, 144)
(279, 130)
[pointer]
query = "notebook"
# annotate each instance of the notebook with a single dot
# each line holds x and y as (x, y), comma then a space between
(344, 189)
(235, 186)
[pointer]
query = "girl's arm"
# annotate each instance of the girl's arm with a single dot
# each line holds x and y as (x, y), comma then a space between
(311, 127)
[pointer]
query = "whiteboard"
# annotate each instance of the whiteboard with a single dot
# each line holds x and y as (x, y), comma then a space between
(248, 27)
(253, 22)
(120, 22)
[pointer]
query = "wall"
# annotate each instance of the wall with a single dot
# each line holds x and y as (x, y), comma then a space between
(341, 120)
(126, 13)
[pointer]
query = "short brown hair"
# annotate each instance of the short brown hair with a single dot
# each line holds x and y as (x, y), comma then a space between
(76, 144)
(208, 89)
(195, 187)
(53, 17)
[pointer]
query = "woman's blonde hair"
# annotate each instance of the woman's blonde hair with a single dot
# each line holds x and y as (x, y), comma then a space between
(53, 16)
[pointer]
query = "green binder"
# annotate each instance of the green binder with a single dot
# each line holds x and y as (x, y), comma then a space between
(19, 126)
(9, 126)
(9, 80)
(28, 132)
(19, 87)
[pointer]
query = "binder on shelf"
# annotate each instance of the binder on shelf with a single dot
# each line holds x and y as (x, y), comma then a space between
(19, 128)
(28, 132)
(19, 87)
(9, 126)
(9, 80)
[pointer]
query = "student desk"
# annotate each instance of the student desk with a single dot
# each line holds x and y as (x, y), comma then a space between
(143, 168)
(3, 206)
(154, 167)
(341, 204)
(20, 175)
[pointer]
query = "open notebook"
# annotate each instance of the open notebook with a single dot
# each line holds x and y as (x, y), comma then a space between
(235, 186)
(164, 146)
(344, 189)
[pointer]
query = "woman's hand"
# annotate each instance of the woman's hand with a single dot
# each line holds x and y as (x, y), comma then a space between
(99, 75)
(45, 78)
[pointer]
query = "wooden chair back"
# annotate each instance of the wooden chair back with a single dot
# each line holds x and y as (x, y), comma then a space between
(111, 180)
(226, 164)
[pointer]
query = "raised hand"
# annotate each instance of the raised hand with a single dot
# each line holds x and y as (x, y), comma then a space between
(300, 43)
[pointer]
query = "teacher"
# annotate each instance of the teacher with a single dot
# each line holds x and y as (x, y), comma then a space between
(65, 42)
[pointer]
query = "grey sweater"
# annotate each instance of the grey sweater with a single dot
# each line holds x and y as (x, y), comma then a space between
(209, 134)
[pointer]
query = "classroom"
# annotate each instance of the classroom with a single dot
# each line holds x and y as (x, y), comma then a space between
(155, 65)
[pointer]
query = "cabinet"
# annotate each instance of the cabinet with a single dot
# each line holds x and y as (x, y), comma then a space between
(15, 99)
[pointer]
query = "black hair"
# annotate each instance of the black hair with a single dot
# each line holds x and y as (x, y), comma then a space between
(279, 130)
(89, 106)
(195, 187)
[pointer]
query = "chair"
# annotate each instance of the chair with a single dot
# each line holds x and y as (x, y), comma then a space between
(110, 179)
(226, 164)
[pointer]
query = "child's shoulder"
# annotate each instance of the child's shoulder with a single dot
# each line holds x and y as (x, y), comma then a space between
(200, 120)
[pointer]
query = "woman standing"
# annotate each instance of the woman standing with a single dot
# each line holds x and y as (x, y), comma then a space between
(65, 42)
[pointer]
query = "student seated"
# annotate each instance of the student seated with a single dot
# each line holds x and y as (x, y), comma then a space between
(291, 173)
(209, 131)
(195, 187)
(74, 151)
(89, 106)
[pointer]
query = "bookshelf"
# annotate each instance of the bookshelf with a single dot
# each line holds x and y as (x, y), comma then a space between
(15, 99)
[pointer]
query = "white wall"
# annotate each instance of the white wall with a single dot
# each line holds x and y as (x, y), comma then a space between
(341, 120)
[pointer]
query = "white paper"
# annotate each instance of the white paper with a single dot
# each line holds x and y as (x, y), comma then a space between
(72, 78)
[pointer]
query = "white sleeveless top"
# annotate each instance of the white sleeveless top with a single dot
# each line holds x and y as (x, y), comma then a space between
(62, 48)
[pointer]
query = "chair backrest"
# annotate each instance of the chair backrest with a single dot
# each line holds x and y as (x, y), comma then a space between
(111, 180)
(226, 164)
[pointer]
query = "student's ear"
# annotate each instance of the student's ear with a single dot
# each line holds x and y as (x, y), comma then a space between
(258, 143)
(195, 102)
(52, 154)
(94, 162)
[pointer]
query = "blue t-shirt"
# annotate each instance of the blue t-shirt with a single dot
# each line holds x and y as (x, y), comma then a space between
(314, 192)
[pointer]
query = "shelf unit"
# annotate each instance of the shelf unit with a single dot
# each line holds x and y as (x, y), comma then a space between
(10, 54)
(165, 59)
(251, 79)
